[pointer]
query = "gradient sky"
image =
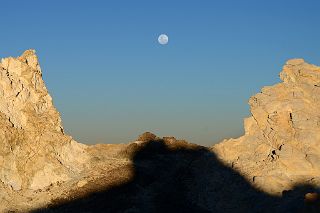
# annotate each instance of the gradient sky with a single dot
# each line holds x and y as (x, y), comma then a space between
(112, 81)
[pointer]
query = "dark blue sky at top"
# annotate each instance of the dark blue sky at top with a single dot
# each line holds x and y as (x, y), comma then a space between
(112, 81)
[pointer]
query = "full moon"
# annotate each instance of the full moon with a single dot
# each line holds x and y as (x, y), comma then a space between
(163, 39)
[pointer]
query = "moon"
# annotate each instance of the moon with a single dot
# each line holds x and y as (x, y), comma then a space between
(163, 39)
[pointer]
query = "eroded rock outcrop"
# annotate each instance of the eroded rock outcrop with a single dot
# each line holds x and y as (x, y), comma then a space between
(34, 151)
(280, 147)
(266, 170)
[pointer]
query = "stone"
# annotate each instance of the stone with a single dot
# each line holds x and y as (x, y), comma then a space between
(311, 197)
(41, 166)
(147, 136)
(82, 183)
(285, 120)
(34, 150)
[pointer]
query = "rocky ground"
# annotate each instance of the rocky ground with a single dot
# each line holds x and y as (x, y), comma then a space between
(273, 167)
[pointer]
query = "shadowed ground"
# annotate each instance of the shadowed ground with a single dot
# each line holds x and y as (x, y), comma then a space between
(175, 176)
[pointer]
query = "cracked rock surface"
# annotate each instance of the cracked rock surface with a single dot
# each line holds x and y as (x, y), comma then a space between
(280, 147)
(43, 168)
(34, 153)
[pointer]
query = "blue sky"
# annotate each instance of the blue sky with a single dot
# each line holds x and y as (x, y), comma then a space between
(112, 81)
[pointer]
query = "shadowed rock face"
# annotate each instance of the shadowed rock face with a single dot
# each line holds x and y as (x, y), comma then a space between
(270, 168)
(169, 175)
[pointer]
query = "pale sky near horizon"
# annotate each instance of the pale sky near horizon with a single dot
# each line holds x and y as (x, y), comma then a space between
(111, 80)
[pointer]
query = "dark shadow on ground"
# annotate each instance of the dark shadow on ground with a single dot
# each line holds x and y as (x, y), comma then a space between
(173, 176)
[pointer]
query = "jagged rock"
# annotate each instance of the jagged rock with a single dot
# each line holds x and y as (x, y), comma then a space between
(281, 142)
(34, 150)
(42, 167)
(147, 136)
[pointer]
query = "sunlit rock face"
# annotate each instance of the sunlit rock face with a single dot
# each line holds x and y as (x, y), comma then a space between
(281, 145)
(43, 168)
(34, 151)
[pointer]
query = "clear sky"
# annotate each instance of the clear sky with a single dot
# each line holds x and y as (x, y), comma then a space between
(111, 80)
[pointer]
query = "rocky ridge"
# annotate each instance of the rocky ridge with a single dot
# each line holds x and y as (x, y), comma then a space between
(34, 152)
(43, 168)
(280, 147)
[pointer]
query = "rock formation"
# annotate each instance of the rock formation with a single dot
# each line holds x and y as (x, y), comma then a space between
(34, 152)
(273, 167)
(280, 147)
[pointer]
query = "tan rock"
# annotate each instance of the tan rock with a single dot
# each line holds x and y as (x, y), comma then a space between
(39, 163)
(82, 183)
(283, 133)
(34, 150)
